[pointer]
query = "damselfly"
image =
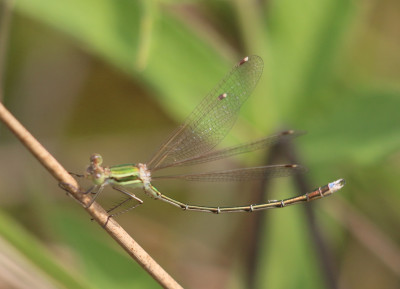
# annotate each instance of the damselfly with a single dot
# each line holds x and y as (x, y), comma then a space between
(194, 142)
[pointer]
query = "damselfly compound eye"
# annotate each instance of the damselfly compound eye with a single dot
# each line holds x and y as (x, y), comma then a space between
(96, 159)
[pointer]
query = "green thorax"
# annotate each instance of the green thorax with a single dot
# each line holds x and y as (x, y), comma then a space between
(127, 174)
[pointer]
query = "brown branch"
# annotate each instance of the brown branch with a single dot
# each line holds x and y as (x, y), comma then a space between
(95, 210)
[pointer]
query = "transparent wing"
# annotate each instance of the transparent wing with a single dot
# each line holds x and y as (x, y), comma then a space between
(240, 149)
(211, 120)
(243, 174)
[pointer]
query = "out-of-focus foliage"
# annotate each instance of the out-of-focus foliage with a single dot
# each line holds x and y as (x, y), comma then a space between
(115, 77)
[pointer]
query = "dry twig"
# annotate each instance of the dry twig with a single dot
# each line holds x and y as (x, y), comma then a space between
(95, 210)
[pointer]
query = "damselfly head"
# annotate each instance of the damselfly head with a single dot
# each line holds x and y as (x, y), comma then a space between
(96, 159)
(95, 171)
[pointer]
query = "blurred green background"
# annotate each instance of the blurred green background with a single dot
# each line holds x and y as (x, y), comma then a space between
(116, 77)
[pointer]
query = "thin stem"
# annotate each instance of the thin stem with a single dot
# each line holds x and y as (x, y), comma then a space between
(95, 210)
(324, 254)
(259, 222)
(6, 8)
(285, 150)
